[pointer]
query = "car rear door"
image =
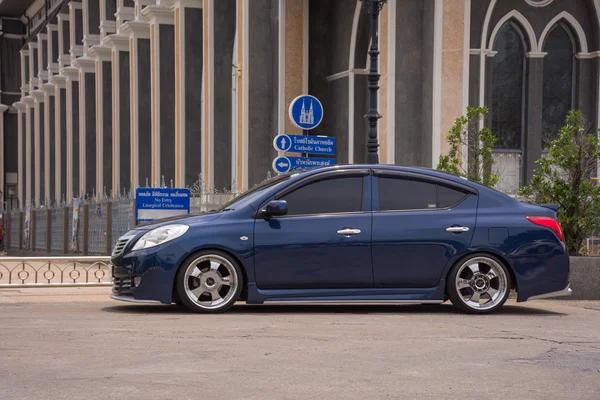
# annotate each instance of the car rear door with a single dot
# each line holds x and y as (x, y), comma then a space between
(420, 223)
(324, 241)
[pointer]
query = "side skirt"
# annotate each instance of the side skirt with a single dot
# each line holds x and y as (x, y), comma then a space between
(345, 296)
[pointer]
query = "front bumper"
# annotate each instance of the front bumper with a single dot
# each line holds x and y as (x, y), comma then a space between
(131, 299)
(147, 275)
(561, 293)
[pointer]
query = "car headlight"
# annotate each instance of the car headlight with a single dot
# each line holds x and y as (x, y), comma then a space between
(159, 236)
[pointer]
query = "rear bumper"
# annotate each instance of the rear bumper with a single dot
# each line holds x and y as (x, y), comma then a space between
(561, 293)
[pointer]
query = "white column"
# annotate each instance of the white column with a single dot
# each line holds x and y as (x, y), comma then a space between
(123, 14)
(3, 109)
(52, 66)
(117, 43)
(30, 103)
(72, 75)
(100, 54)
(24, 68)
(76, 48)
(64, 60)
(60, 82)
(21, 109)
(33, 79)
(157, 15)
(48, 89)
(38, 95)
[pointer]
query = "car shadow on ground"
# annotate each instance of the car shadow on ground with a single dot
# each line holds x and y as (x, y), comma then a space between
(443, 309)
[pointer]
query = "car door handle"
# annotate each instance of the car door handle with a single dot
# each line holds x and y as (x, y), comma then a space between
(457, 229)
(348, 232)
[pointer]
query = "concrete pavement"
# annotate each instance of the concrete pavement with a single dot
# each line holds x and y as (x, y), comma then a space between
(78, 344)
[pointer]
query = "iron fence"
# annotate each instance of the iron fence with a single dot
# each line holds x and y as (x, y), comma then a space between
(55, 271)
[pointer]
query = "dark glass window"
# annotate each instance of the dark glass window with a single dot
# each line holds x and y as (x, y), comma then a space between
(340, 195)
(405, 194)
(507, 87)
(558, 82)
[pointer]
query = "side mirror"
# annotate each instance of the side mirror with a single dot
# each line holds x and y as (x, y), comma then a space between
(275, 208)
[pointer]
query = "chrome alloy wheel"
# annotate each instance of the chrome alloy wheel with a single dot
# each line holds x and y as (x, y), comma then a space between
(210, 282)
(481, 283)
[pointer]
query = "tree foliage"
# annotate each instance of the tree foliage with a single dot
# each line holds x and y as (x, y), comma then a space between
(466, 135)
(563, 176)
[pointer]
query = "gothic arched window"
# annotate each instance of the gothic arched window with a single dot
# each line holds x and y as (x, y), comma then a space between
(558, 81)
(508, 87)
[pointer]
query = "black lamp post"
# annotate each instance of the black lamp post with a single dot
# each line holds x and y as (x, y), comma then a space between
(373, 8)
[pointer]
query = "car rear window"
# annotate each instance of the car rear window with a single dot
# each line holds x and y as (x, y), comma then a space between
(399, 194)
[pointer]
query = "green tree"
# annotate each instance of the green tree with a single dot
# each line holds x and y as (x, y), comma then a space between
(563, 177)
(466, 135)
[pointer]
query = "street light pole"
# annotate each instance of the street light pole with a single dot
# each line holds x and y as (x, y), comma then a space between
(373, 8)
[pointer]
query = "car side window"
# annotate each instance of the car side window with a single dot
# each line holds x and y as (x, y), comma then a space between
(338, 195)
(399, 194)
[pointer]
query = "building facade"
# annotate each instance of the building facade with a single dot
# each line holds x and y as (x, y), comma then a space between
(102, 96)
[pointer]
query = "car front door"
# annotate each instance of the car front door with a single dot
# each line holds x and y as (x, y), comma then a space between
(419, 225)
(324, 241)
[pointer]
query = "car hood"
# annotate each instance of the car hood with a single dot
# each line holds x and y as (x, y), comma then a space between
(193, 219)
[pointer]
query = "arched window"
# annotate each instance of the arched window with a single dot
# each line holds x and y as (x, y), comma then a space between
(508, 84)
(559, 74)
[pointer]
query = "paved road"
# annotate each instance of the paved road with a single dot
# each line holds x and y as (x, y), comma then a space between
(77, 344)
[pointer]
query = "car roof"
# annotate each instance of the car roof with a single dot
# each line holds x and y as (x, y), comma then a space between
(388, 167)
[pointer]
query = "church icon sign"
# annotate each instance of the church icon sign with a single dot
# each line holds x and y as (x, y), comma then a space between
(306, 112)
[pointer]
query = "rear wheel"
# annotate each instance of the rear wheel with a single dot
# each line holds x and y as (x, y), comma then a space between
(210, 282)
(479, 284)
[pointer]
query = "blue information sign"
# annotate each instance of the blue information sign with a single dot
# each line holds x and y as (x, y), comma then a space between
(306, 112)
(158, 203)
(285, 164)
(305, 144)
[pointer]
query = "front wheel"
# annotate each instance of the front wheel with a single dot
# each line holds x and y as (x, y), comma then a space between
(210, 282)
(479, 284)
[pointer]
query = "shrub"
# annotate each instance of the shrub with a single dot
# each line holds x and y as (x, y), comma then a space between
(563, 177)
(466, 135)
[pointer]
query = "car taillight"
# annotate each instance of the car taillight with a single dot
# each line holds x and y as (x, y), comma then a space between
(549, 223)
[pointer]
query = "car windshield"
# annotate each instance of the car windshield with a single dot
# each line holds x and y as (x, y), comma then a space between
(249, 196)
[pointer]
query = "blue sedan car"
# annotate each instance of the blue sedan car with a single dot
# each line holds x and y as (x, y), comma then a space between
(360, 234)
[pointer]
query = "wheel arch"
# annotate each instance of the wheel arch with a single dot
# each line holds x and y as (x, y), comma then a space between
(229, 252)
(485, 252)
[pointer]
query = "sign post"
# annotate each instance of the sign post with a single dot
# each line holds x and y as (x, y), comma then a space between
(306, 113)
(159, 203)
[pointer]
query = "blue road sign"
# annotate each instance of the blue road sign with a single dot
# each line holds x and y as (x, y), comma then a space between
(285, 164)
(305, 144)
(282, 164)
(306, 112)
(157, 203)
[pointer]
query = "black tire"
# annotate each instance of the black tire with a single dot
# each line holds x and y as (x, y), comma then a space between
(457, 297)
(182, 292)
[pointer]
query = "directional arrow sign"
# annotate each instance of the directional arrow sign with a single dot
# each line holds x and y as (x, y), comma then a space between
(305, 144)
(282, 164)
(282, 143)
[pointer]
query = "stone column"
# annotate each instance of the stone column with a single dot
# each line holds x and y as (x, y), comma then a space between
(189, 69)
(91, 23)
(42, 58)
(125, 12)
(141, 114)
(49, 143)
(53, 48)
(533, 117)
(75, 29)
(39, 151)
(22, 139)
(72, 121)
(87, 125)
(64, 38)
(104, 135)
(29, 149)
(25, 59)
(3, 109)
(162, 43)
(108, 24)
(121, 112)
(33, 66)
(60, 134)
